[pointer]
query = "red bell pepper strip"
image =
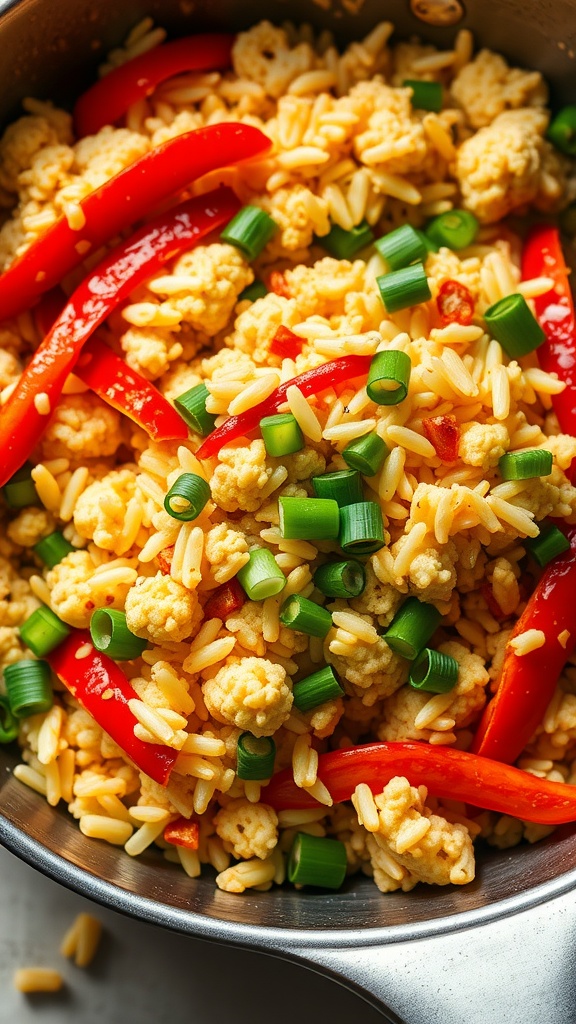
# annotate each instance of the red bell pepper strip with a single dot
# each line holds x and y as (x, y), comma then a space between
(443, 433)
(102, 689)
(455, 303)
(447, 773)
(337, 371)
(527, 683)
(110, 377)
(123, 200)
(109, 98)
(21, 425)
(286, 344)
(542, 256)
(183, 833)
(228, 599)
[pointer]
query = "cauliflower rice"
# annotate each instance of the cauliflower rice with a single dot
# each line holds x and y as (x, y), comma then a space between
(347, 145)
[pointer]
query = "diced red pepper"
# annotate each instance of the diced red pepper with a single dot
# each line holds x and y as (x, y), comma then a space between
(102, 689)
(21, 425)
(183, 833)
(109, 98)
(277, 284)
(443, 432)
(286, 344)
(447, 773)
(164, 559)
(312, 382)
(228, 599)
(455, 303)
(125, 199)
(527, 683)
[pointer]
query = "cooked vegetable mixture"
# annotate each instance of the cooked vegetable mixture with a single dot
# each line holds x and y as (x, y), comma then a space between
(288, 389)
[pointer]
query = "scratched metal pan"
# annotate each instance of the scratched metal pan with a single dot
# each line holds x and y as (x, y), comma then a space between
(499, 950)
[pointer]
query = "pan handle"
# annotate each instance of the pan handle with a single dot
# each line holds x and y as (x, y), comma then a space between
(519, 969)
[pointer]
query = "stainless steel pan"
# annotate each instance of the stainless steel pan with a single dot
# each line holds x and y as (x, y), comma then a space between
(502, 949)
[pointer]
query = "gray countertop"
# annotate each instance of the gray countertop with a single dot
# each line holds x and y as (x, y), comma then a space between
(144, 975)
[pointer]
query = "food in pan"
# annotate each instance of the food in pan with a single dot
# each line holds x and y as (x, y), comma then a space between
(288, 419)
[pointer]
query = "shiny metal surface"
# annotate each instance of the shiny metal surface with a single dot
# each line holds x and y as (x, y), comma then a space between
(416, 953)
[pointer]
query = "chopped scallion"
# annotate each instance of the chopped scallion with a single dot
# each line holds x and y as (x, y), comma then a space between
(309, 518)
(8, 722)
(299, 613)
(192, 407)
(562, 131)
(316, 689)
(28, 687)
(281, 434)
(315, 860)
(20, 490)
(340, 579)
(403, 288)
(412, 627)
(52, 549)
(187, 497)
(43, 631)
(454, 229)
(513, 324)
(111, 635)
(388, 377)
(255, 757)
(402, 247)
(549, 543)
(367, 454)
(433, 672)
(429, 245)
(261, 577)
(525, 465)
(361, 528)
(345, 244)
(344, 486)
(425, 95)
(256, 290)
(250, 230)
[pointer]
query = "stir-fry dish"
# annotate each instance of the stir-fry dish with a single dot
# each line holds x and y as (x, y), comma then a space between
(288, 415)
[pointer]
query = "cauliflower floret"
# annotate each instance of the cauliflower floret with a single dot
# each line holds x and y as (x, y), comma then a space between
(504, 167)
(400, 713)
(300, 215)
(23, 139)
(468, 696)
(240, 477)
(432, 849)
(247, 624)
(30, 525)
(486, 87)
(563, 448)
(392, 122)
(553, 495)
(101, 508)
(99, 157)
(204, 285)
(263, 55)
(303, 465)
(150, 350)
(161, 610)
(226, 550)
(82, 427)
(72, 595)
(482, 444)
(322, 290)
(10, 367)
(247, 830)
(255, 328)
(377, 598)
(251, 693)
(372, 671)
(431, 575)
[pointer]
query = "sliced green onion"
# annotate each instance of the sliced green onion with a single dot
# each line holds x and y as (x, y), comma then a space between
(433, 672)
(250, 230)
(388, 377)
(402, 247)
(281, 434)
(454, 229)
(309, 518)
(344, 486)
(314, 860)
(429, 245)
(299, 613)
(340, 579)
(192, 407)
(345, 244)
(111, 635)
(361, 528)
(43, 631)
(562, 131)
(187, 497)
(412, 627)
(28, 687)
(525, 465)
(513, 324)
(52, 549)
(261, 577)
(20, 490)
(549, 543)
(403, 288)
(256, 290)
(425, 95)
(255, 757)
(316, 689)
(367, 454)
(8, 722)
